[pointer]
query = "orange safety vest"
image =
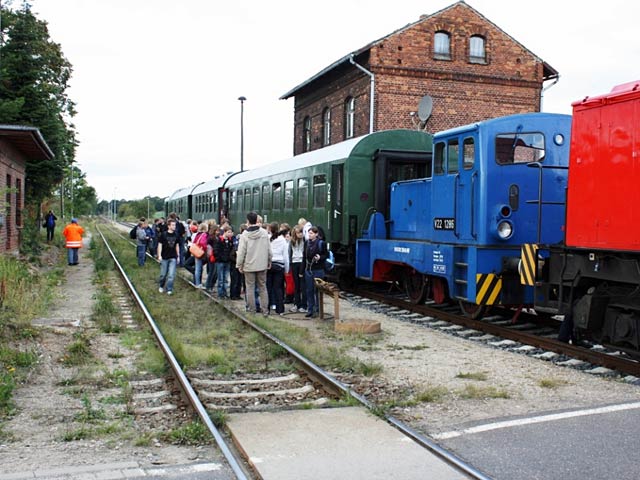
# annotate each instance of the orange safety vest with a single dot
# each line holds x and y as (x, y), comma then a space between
(73, 233)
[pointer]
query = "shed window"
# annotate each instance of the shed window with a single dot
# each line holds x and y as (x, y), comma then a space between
(349, 117)
(326, 127)
(442, 46)
(288, 195)
(477, 53)
(319, 191)
(519, 148)
(303, 193)
(306, 134)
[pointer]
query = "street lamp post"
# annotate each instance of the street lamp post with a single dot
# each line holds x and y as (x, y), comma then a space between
(242, 99)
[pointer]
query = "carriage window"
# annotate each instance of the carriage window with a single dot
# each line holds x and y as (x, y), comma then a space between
(276, 191)
(214, 204)
(514, 148)
(247, 199)
(234, 200)
(256, 199)
(266, 197)
(319, 191)
(303, 193)
(468, 153)
(288, 194)
(452, 156)
(438, 162)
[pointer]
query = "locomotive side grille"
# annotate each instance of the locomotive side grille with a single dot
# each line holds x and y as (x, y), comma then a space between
(528, 255)
(488, 286)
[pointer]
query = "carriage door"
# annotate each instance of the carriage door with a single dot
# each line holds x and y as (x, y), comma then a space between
(336, 202)
(466, 187)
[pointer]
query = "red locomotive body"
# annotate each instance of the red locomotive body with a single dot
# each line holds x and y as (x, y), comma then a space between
(594, 277)
(603, 202)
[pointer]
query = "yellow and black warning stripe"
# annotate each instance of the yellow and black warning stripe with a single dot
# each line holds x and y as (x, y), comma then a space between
(528, 256)
(488, 286)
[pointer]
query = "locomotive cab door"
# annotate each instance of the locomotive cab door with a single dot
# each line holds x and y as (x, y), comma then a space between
(466, 195)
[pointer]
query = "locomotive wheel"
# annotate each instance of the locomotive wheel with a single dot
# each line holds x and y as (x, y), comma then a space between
(472, 310)
(415, 285)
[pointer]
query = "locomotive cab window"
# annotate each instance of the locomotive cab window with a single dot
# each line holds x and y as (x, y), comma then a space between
(438, 161)
(319, 191)
(512, 148)
(468, 153)
(453, 153)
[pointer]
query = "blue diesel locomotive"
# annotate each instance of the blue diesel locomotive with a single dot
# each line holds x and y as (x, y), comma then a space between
(456, 235)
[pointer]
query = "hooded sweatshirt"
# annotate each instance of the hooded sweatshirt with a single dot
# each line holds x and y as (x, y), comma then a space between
(254, 252)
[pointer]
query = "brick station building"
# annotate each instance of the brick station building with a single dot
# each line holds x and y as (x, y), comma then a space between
(18, 144)
(468, 66)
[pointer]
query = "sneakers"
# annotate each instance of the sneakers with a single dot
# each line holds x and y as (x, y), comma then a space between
(301, 310)
(161, 290)
(273, 307)
(169, 292)
(294, 309)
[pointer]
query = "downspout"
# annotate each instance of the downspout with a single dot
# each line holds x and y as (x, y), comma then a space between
(373, 89)
(544, 89)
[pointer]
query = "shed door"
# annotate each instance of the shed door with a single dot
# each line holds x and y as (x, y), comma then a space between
(336, 194)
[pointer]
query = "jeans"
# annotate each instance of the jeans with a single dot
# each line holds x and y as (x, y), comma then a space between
(141, 251)
(197, 276)
(236, 282)
(312, 293)
(275, 288)
(253, 280)
(211, 275)
(167, 273)
(72, 256)
(299, 294)
(223, 271)
(50, 233)
(182, 250)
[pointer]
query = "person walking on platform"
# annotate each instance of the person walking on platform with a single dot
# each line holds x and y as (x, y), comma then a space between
(50, 224)
(73, 235)
(168, 254)
(253, 260)
(142, 239)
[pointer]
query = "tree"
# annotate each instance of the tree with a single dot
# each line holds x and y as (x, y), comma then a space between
(79, 197)
(34, 76)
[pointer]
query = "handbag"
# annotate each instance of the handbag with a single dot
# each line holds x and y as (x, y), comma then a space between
(196, 250)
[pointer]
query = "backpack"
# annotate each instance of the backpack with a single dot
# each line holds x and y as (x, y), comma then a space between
(133, 234)
(329, 263)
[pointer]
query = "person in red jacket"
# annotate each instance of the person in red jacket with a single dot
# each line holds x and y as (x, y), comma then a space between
(73, 233)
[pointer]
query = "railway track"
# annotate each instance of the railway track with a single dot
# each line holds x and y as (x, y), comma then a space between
(310, 386)
(526, 334)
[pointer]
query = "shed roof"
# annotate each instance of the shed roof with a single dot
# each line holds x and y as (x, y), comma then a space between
(28, 140)
(548, 72)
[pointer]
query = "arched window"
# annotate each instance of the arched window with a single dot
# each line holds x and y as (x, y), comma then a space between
(442, 46)
(477, 52)
(306, 134)
(326, 127)
(349, 117)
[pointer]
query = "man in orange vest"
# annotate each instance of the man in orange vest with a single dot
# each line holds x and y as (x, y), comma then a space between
(73, 233)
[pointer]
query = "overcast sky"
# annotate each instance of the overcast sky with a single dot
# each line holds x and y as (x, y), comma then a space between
(157, 82)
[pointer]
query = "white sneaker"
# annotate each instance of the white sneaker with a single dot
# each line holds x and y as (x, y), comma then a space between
(302, 310)
(169, 292)
(293, 309)
(273, 307)
(161, 290)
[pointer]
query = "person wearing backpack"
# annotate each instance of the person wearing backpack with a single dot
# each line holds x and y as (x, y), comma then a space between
(142, 239)
(223, 249)
(50, 224)
(315, 254)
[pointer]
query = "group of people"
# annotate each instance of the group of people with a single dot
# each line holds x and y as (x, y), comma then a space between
(264, 261)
